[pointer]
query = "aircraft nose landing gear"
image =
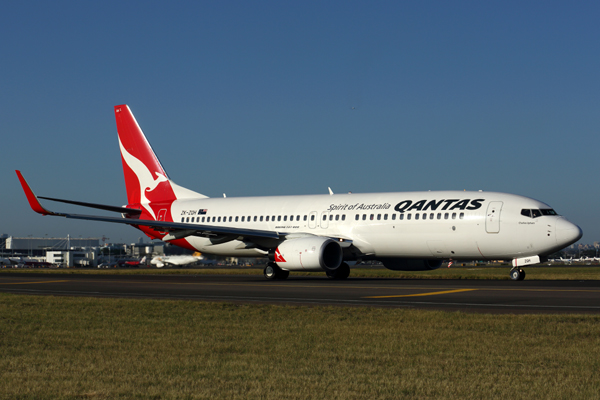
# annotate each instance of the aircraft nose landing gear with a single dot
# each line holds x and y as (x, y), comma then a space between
(517, 274)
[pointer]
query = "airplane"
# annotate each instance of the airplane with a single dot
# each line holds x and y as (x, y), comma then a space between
(405, 231)
(132, 263)
(161, 261)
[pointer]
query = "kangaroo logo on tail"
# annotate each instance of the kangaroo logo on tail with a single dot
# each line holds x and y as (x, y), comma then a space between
(146, 182)
(145, 178)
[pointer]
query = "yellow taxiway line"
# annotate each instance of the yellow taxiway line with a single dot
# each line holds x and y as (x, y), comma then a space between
(420, 294)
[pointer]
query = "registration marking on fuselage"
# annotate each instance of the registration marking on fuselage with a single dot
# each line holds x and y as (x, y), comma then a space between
(421, 294)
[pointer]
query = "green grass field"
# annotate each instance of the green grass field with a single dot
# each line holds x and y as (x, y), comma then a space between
(533, 272)
(87, 348)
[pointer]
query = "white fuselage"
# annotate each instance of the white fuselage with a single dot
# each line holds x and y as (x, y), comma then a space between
(417, 225)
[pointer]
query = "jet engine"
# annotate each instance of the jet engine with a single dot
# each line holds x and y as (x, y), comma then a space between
(404, 264)
(312, 253)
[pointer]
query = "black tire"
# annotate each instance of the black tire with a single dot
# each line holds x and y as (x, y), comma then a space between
(522, 275)
(283, 274)
(270, 271)
(342, 272)
(515, 274)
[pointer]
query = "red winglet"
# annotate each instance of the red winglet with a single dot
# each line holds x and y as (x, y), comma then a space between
(32, 198)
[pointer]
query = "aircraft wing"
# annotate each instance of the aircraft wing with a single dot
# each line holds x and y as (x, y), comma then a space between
(173, 230)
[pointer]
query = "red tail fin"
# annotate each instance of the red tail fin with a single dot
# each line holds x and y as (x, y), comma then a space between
(145, 179)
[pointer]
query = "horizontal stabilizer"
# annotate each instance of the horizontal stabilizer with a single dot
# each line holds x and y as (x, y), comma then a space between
(122, 210)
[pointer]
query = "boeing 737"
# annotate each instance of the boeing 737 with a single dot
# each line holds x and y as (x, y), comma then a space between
(405, 231)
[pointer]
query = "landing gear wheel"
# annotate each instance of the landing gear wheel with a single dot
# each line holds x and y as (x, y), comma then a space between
(272, 272)
(517, 274)
(342, 272)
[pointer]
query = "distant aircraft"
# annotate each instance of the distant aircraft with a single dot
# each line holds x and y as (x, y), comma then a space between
(133, 263)
(406, 231)
(161, 261)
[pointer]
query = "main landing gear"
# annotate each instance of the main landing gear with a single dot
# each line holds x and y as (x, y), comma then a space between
(342, 272)
(272, 272)
(517, 274)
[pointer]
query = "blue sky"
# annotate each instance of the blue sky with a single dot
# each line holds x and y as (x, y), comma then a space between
(282, 98)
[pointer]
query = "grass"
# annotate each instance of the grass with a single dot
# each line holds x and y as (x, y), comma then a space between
(496, 273)
(86, 348)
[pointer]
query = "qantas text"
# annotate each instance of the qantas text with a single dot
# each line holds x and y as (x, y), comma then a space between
(444, 204)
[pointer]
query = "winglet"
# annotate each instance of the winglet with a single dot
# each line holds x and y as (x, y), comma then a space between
(32, 198)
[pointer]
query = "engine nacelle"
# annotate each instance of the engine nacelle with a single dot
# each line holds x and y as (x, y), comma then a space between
(312, 253)
(404, 264)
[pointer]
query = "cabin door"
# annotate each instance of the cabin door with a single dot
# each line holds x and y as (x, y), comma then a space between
(492, 218)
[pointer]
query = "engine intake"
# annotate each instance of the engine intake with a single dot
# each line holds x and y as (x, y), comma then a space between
(311, 253)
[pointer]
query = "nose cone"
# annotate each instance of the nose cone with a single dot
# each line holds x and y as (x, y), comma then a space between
(567, 232)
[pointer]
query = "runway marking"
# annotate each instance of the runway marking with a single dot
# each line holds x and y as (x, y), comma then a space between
(28, 283)
(420, 294)
(318, 301)
(329, 286)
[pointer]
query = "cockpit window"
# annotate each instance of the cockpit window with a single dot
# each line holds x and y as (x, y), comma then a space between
(535, 213)
(548, 211)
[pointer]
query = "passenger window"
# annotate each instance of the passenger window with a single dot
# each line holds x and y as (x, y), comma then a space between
(343, 217)
(312, 217)
(305, 218)
(182, 219)
(408, 216)
(285, 217)
(279, 218)
(446, 215)
(337, 217)
(462, 216)
(393, 217)
(356, 217)
(385, 217)
(203, 219)
(297, 218)
(255, 218)
(453, 215)
(439, 215)
(331, 217)
(431, 216)
(230, 218)
(324, 217)
(416, 216)
(219, 219)
(372, 217)
(364, 217)
(236, 219)
(261, 218)
(267, 219)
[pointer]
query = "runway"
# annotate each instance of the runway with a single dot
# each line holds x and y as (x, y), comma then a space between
(451, 295)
